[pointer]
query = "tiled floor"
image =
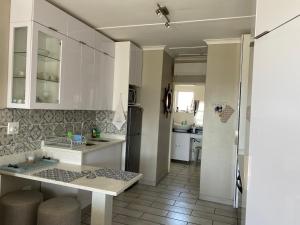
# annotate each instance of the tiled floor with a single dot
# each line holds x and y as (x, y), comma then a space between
(173, 202)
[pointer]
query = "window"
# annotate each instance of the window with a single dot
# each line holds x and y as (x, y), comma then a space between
(185, 101)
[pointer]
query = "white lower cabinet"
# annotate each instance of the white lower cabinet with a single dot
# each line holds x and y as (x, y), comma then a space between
(181, 146)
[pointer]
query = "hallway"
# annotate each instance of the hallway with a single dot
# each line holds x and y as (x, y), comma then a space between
(173, 202)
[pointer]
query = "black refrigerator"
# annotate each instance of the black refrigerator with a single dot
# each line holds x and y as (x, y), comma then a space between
(133, 139)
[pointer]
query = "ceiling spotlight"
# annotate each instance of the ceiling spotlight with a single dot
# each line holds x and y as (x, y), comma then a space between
(163, 12)
(158, 12)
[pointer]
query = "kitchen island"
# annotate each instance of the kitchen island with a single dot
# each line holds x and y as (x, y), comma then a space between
(87, 178)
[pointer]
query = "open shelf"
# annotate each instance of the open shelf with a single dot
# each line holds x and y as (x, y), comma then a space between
(47, 80)
(43, 57)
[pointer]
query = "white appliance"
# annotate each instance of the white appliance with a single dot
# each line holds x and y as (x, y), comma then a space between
(273, 196)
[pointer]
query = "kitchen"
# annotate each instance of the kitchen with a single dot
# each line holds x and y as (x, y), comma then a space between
(94, 105)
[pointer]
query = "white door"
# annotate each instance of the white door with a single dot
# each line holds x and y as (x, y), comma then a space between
(274, 132)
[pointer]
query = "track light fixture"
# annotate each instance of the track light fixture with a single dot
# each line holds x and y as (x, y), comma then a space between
(163, 12)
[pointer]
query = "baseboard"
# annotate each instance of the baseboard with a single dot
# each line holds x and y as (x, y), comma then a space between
(216, 199)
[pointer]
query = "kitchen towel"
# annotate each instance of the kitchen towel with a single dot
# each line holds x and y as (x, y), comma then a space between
(119, 117)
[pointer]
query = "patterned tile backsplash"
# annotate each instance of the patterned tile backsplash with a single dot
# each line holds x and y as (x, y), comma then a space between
(37, 125)
(104, 123)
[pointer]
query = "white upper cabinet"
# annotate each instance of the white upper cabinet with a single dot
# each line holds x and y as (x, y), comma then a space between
(50, 16)
(104, 80)
(88, 87)
(81, 32)
(35, 66)
(136, 65)
(41, 12)
(104, 44)
(71, 88)
(58, 62)
(271, 14)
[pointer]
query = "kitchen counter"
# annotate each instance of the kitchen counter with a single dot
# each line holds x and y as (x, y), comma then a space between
(102, 188)
(102, 185)
(97, 145)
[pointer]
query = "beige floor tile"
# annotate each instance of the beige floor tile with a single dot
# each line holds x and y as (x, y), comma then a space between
(127, 212)
(171, 208)
(163, 220)
(188, 218)
(132, 221)
(147, 209)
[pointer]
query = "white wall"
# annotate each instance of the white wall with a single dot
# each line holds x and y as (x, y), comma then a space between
(165, 123)
(4, 40)
(219, 150)
(150, 97)
(156, 127)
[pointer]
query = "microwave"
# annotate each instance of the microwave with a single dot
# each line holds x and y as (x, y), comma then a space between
(132, 96)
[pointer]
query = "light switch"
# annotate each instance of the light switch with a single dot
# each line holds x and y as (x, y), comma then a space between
(13, 128)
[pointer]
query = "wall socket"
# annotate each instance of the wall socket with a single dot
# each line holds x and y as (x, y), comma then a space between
(13, 128)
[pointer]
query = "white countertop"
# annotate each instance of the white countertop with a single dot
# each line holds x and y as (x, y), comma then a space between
(102, 185)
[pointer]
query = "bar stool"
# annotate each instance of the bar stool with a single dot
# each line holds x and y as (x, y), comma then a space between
(20, 207)
(60, 210)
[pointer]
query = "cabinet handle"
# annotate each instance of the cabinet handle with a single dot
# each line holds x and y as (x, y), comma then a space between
(105, 53)
(51, 28)
(81, 42)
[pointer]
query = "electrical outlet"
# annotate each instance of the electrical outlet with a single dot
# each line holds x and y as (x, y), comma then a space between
(13, 128)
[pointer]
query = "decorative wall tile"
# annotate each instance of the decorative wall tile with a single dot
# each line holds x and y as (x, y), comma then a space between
(21, 116)
(35, 116)
(59, 116)
(6, 115)
(37, 125)
(59, 130)
(69, 116)
(35, 132)
(48, 117)
(23, 134)
(104, 123)
(89, 116)
(48, 130)
(78, 116)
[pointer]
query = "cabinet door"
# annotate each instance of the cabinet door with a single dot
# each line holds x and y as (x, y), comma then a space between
(104, 44)
(272, 13)
(47, 60)
(181, 146)
(50, 16)
(19, 65)
(87, 71)
(81, 32)
(71, 79)
(104, 81)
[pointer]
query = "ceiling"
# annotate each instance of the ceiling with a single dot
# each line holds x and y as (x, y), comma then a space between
(192, 21)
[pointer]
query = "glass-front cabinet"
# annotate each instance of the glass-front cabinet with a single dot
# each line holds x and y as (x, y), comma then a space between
(35, 67)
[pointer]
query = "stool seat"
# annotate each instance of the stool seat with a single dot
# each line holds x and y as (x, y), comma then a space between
(60, 210)
(20, 207)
